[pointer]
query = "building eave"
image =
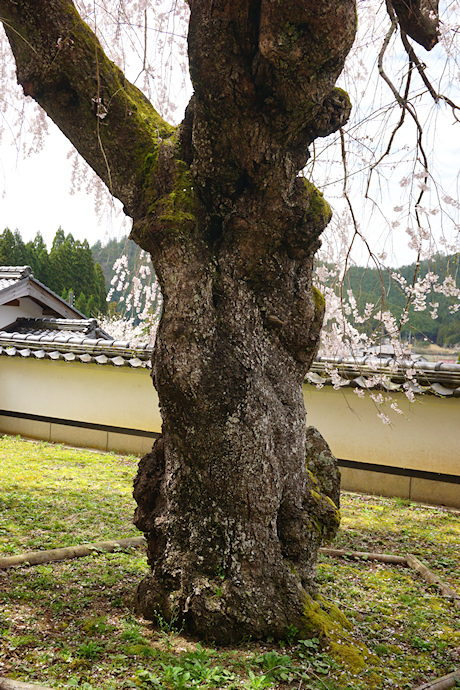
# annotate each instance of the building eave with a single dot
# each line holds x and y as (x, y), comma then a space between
(32, 288)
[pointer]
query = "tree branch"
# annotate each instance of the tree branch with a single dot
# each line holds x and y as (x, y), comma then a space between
(60, 63)
(420, 67)
(419, 19)
(393, 133)
(263, 75)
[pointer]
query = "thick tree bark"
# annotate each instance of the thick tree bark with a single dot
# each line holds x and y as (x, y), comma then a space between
(232, 515)
(419, 19)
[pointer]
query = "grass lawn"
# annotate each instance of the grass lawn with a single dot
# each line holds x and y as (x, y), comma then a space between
(69, 624)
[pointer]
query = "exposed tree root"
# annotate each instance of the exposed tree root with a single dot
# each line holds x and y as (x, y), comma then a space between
(441, 683)
(382, 557)
(38, 557)
(433, 579)
(8, 684)
(410, 561)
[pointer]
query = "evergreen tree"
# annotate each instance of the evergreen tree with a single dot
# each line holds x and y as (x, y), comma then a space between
(7, 248)
(100, 289)
(91, 308)
(20, 251)
(40, 260)
(80, 303)
(59, 239)
(61, 259)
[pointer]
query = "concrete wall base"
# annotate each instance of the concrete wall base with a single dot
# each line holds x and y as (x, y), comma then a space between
(99, 436)
(443, 490)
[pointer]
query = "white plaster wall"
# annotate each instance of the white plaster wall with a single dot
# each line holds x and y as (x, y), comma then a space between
(425, 437)
(27, 309)
(113, 396)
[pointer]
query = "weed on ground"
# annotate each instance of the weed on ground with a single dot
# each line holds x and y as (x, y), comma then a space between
(70, 624)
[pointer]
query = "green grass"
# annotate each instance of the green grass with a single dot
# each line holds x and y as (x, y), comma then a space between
(54, 496)
(69, 624)
(400, 527)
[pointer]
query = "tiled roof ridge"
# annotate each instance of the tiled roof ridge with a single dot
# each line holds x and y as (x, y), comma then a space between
(440, 378)
(388, 364)
(17, 272)
(75, 343)
(56, 323)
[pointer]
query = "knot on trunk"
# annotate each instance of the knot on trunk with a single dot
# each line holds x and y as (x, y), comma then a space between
(334, 113)
(419, 19)
(322, 465)
(150, 498)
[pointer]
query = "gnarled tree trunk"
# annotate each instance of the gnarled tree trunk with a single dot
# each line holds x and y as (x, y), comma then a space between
(232, 516)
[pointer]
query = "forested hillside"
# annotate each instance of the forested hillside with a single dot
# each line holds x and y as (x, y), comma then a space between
(68, 266)
(107, 254)
(385, 290)
(134, 293)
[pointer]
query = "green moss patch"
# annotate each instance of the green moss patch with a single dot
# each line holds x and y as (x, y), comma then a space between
(320, 302)
(323, 619)
(319, 210)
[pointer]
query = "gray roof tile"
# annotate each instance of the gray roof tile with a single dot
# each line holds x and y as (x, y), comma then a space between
(101, 359)
(441, 390)
(119, 361)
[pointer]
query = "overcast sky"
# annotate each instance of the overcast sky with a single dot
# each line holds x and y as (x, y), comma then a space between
(36, 196)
